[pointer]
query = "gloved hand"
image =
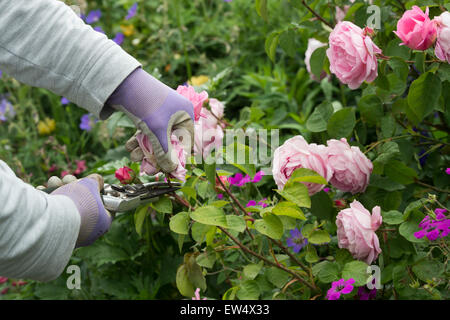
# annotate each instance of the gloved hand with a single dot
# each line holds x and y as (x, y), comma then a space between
(156, 110)
(85, 193)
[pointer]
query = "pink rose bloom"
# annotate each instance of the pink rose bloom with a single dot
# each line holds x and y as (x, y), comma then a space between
(356, 231)
(416, 30)
(149, 164)
(208, 130)
(442, 49)
(125, 175)
(197, 99)
(313, 45)
(351, 168)
(352, 54)
(297, 153)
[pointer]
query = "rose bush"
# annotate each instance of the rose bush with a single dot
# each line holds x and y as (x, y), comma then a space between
(358, 177)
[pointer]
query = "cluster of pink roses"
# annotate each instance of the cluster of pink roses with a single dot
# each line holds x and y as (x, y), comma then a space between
(208, 131)
(353, 54)
(345, 167)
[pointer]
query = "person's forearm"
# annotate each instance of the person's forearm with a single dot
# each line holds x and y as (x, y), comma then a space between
(37, 231)
(44, 43)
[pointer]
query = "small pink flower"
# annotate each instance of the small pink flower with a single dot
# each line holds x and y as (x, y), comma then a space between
(197, 295)
(352, 55)
(208, 131)
(442, 49)
(351, 168)
(125, 175)
(297, 153)
(149, 164)
(81, 166)
(356, 231)
(416, 30)
(197, 99)
(3, 280)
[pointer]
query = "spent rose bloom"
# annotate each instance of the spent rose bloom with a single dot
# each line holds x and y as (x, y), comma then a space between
(416, 30)
(197, 99)
(313, 45)
(149, 164)
(297, 153)
(208, 131)
(356, 231)
(125, 175)
(351, 168)
(442, 49)
(352, 54)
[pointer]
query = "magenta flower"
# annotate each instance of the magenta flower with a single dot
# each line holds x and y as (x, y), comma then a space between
(93, 16)
(434, 229)
(3, 280)
(447, 171)
(132, 11)
(258, 176)
(296, 241)
(340, 287)
(251, 203)
(220, 196)
(326, 189)
(239, 180)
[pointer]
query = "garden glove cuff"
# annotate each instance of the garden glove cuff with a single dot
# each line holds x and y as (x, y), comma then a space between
(156, 110)
(95, 219)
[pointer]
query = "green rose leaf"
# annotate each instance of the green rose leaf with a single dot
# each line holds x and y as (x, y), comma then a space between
(179, 223)
(317, 61)
(270, 226)
(392, 217)
(210, 215)
(318, 120)
(356, 270)
(236, 223)
(424, 94)
(288, 209)
(400, 172)
(341, 123)
(319, 237)
(296, 193)
(371, 108)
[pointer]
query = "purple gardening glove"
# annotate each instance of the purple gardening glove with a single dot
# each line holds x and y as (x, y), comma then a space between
(85, 193)
(156, 110)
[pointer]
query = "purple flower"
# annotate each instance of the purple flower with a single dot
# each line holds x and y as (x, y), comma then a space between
(132, 11)
(366, 294)
(87, 122)
(93, 16)
(64, 101)
(340, 287)
(296, 241)
(119, 38)
(326, 189)
(6, 110)
(434, 229)
(99, 29)
(1, 74)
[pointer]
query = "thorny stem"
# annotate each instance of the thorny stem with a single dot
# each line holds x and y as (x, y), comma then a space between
(318, 16)
(249, 251)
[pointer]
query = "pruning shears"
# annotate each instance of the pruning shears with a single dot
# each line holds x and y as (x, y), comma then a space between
(121, 198)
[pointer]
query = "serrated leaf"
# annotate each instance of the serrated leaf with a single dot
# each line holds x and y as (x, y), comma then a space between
(288, 209)
(342, 123)
(356, 270)
(179, 223)
(318, 120)
(270, 226)
(317, 61)
(252, 270)
(399, 172)
(319, 237)
(248, 290)
(236, 223)
(424, 94)
(210, 215)
(296, 193)
(271, 45)
(183, 284)
(163, 205)
(392, 217)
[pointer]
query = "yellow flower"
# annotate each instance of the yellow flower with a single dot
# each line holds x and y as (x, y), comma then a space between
(198, 81)
(46, 127)
(127, 30)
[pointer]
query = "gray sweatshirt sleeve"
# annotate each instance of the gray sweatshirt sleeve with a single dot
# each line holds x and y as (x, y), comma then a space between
(37, 231)
(43, 43)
